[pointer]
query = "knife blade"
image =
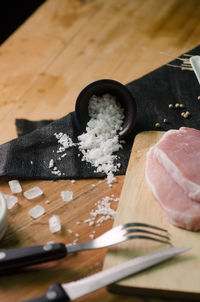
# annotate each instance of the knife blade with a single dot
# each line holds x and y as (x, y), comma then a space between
(76, 289)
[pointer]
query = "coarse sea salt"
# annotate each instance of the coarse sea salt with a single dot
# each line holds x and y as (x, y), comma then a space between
(36, 211)
(54, 224)
(51, 163)
(11, 200)
(33, 193)
(102, 212)
(100, 140)
(15, 186)
(64, 140)
(66, 195)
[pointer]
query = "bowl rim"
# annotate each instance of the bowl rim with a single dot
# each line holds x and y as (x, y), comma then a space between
(3, 210)
(133, 107)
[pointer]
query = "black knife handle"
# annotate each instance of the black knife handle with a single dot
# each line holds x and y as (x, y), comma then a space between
(26, 256)
(55, 293)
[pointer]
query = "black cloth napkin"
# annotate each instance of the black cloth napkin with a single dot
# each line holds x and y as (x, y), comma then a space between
(29, 155)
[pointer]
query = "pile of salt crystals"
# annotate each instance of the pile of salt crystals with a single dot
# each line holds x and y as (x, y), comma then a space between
(101, 140)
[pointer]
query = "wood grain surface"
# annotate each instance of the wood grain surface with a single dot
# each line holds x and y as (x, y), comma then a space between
(62, 47)
(138, 204)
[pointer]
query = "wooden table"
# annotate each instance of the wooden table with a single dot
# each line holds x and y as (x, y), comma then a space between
(62, 47)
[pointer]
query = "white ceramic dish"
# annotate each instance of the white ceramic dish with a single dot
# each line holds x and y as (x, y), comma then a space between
(3, 215)
(195, 62)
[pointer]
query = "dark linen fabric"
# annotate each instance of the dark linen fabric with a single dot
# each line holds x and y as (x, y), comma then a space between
(29, 155)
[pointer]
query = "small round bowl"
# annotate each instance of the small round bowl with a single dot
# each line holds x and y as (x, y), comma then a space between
(114, 88)
(3, 215)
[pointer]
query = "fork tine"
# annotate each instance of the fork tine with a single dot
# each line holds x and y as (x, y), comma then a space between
(129, 231)
(148, 238)
(132, 224)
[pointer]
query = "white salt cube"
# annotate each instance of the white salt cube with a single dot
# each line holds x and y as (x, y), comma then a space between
(15, 186)
(54, 224)
(66, 195)
(36, 211)
(33, 193)
(11, 200)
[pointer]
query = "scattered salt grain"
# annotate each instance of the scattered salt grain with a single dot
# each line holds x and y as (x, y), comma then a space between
(31, 162)
(103, 211)
(73, 181)
(47, 201)
(36, 211)
(77, 235)
(54, 224)
(75, 241)
(63, 155)
(91, 236)
(15, 186)
(51, 163)
(69, 231)
(100, 140)
(33, 193)
(56, 171)
(91, 223)
(11, 201)
(78, 222)
(64, 140)
(93, 185)
(66, 195)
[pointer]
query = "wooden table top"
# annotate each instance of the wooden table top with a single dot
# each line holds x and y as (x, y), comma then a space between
(62, 47)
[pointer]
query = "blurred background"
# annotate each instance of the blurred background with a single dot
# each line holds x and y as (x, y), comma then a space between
(14, 13)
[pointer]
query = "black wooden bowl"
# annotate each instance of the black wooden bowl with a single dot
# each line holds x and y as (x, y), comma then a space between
(114, 88)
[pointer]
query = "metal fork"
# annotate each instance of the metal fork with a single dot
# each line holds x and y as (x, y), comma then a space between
(122, 233)
(27, 256)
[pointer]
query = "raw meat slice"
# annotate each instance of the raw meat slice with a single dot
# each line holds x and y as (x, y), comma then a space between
(180, 210)
(179, 153)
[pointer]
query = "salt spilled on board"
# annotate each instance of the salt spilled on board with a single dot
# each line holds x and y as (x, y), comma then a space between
(64, 142)
(15, 186)
(103, 211)
(66, 195)
(54, 224)
(11, 201)
(36, 211)
(100, 140)
(33, 193)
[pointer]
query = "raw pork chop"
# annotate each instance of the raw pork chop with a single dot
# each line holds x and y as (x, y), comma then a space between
(179, 153)
(180, 210)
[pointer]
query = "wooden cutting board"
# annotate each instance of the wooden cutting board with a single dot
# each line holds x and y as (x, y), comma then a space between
(176, 278)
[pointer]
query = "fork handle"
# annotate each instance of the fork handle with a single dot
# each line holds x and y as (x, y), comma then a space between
(26, 256)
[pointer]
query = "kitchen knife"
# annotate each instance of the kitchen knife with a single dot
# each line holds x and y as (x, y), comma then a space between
(73, 290)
